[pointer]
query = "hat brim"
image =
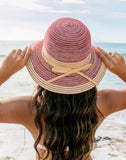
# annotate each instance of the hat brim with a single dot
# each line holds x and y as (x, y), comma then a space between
(41, 72)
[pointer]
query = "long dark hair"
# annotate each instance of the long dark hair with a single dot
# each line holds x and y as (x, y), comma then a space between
(69, 120)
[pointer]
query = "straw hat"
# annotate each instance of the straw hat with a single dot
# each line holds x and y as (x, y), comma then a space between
(65, 61)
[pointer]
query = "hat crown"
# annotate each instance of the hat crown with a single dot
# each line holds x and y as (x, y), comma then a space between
(67, 40)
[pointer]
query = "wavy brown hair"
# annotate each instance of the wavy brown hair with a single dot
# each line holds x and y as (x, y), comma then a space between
(70, 120)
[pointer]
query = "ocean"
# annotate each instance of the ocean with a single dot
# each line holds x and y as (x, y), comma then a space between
(16, 143)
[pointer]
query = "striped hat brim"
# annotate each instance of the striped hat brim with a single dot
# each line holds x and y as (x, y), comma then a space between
(41, 72)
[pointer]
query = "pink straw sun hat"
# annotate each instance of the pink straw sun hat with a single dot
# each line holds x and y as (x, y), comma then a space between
(65, 61)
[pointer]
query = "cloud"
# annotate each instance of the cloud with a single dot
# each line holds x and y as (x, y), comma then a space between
(84, 12)
(61, 11)
(32, 5)
(119, 14)
(26, 4)
(71, 1)
(123, 0)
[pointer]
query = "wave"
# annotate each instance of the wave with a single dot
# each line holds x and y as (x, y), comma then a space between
(124, 54)
(2, 55)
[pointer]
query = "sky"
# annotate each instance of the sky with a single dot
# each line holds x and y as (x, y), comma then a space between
(29, 19)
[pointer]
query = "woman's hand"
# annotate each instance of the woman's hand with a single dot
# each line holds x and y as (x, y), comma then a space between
(14, 62)
(113, 62)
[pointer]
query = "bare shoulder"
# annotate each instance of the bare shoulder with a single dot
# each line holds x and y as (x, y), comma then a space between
(16, 110)
(110, 101)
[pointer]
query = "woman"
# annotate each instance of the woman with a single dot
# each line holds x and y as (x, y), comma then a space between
(67, 109)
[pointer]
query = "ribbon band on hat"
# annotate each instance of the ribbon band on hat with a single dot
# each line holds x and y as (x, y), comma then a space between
(77, 70)
(53, 62)
(65, 70)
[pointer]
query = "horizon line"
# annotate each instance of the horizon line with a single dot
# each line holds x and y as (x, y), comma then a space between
(40, 39)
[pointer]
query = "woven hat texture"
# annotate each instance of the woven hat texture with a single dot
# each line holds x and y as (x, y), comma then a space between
(65, 48)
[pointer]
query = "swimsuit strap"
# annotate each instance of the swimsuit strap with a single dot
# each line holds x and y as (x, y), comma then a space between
(41, 147)
(44, 148)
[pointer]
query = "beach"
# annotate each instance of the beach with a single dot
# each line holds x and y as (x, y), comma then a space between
(16, 143)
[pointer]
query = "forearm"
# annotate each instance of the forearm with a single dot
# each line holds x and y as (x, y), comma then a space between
(3, 76)
(122, 75)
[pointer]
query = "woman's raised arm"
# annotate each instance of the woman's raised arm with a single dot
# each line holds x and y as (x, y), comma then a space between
(14, 110)
(109, 100)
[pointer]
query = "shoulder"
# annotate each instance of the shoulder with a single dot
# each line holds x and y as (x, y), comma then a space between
(16, 110)
(110, 101)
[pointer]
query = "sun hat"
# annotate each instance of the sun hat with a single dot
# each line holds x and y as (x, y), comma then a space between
(65, 61)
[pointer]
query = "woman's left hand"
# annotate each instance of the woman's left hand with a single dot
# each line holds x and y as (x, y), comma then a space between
(14, 62)
(114, 62)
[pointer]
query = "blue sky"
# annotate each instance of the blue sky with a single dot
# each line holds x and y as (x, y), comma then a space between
(29, 19)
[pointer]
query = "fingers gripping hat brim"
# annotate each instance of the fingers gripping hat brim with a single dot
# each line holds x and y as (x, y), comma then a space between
(41, 72)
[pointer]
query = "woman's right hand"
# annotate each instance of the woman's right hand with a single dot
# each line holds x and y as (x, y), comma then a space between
(14, 62)
(114, 62)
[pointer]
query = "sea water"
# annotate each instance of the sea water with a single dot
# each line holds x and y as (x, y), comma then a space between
(17, 143)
